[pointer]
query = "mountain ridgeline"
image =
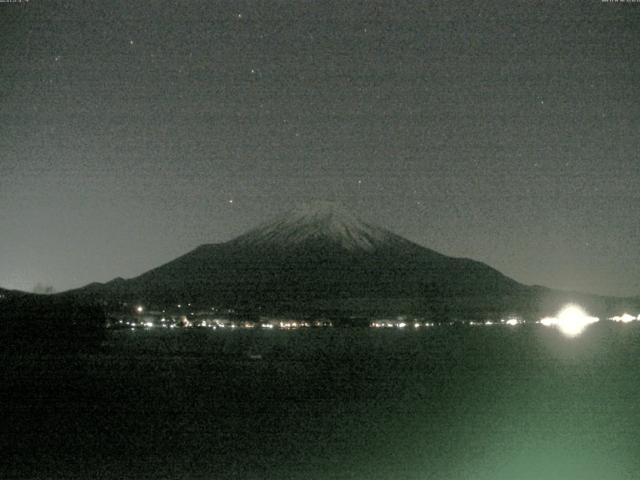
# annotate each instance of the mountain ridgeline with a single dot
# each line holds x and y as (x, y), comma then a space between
(320, 259)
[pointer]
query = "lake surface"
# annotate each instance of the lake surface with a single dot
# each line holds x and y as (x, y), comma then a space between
(447, 402)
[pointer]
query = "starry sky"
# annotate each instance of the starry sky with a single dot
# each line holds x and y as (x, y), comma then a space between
(504, 131)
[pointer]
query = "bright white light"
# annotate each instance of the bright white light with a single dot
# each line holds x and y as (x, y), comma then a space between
(548, 321)
(402, 325)
(139, 309)
(512, 321)
(571, 321)
(624, 318)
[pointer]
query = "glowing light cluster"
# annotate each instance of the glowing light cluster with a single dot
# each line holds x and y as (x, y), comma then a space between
(292, 324)
(399, 324)
(571, 321)
(625, 318)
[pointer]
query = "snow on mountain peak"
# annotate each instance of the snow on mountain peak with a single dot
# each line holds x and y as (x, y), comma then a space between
(317, 221)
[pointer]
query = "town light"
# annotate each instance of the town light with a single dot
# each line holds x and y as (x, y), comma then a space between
(624, 318)
(571, 321)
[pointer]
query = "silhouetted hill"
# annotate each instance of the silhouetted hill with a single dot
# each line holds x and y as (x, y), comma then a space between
(11, 294)
(32, 322)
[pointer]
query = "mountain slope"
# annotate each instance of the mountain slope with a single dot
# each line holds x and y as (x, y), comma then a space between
(320, 258)
(313, 255)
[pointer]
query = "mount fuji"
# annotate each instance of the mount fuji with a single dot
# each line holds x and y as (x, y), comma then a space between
(320, 258)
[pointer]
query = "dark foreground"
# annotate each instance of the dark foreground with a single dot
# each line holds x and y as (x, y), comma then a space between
(484, 403)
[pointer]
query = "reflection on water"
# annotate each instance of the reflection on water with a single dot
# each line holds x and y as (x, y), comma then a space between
(518, 402)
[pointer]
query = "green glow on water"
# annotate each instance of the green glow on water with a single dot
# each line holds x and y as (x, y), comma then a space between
(523, 403)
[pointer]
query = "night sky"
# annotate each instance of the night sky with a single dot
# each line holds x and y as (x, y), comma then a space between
(507, 132)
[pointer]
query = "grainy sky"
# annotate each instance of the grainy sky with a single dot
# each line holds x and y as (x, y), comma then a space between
(508, 132)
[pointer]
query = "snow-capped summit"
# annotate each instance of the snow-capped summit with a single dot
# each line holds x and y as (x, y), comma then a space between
(317, 221)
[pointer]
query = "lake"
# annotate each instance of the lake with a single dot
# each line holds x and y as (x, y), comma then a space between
(446, 402)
